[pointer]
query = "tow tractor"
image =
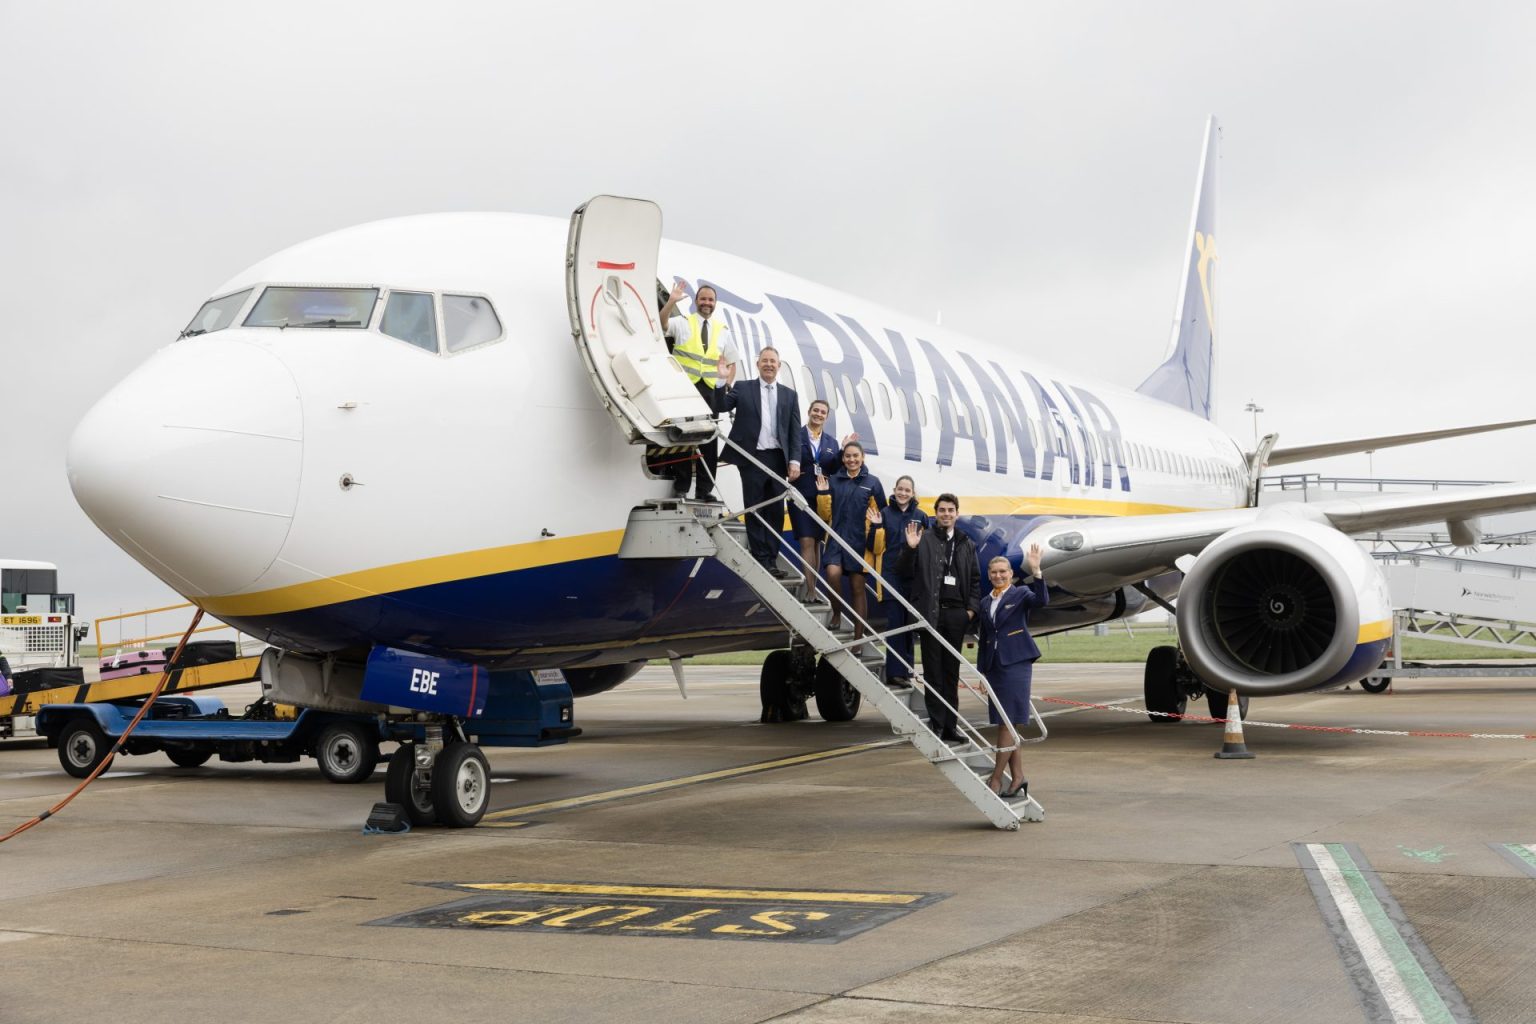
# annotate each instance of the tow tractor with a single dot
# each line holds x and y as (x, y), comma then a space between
(39, 637)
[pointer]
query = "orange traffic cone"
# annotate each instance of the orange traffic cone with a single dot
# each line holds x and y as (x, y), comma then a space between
(1232, 746)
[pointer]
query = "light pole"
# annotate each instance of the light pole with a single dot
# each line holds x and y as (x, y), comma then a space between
(1254, 408)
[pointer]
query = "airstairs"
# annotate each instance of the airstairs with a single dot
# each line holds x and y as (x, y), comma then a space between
(611, 257)
(665, 529)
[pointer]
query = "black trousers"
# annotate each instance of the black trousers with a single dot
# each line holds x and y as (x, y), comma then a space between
(764, 540)
(708, 453)
(941, 670)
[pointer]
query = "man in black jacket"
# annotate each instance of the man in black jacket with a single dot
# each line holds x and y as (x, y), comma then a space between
(946, 589)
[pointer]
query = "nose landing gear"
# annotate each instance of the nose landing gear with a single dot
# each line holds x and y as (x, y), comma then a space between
(447, 783)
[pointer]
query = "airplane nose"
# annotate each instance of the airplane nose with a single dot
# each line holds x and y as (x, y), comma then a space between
(191, 464)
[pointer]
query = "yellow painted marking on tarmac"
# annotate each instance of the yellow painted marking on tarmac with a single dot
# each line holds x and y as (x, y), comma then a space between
(887, 899)
(1373, 631)
(504, 824)
(665, 784)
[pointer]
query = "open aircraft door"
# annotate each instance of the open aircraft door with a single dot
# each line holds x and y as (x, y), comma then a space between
(610, 291)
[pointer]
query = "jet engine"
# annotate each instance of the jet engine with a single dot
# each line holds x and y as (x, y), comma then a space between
(1283, 605)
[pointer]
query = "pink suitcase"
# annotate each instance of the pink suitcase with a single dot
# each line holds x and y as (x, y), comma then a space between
(132, 663)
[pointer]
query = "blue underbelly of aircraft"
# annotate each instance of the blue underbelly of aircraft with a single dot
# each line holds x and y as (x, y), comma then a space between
(597, 611)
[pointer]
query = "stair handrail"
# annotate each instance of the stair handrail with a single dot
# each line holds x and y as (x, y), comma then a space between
(985, 692)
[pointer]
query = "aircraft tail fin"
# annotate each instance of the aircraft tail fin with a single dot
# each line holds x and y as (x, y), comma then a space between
(1187, 376)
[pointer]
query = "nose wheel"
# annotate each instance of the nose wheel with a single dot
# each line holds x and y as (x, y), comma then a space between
(453, 789)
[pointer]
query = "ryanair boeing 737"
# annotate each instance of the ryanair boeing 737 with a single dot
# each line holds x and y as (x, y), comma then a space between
(385, 440)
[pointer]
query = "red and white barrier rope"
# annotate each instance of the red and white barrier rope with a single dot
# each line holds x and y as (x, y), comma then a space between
(1300, 728)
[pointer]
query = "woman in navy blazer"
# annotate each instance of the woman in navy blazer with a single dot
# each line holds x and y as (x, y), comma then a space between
(1007, 658)
(820, 456)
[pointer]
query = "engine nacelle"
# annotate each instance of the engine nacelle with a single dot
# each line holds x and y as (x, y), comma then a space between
(1283, 605)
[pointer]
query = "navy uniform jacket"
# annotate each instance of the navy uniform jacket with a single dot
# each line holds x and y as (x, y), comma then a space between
(827, 455)
(1005, 640)
(745, 399)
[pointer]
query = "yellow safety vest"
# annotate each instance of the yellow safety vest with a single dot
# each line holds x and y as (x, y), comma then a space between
(700, 362)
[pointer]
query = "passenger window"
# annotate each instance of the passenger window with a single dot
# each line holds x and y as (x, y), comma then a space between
(216, 314)
(885, 403)
(922, 409)
(469, 320)
(848, 392)
(981, 423)
(810, 382)
(867, 398)
(830, 394)
(410, 317)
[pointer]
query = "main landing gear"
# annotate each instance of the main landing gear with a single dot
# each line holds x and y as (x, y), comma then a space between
(1168, 684)
(443, 779)
(791, 678)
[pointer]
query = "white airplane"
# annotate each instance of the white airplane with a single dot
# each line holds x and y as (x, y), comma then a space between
(385, 439)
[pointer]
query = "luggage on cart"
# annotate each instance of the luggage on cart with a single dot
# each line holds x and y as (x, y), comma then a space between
(133, 663)
(36, 679)
(207, 652)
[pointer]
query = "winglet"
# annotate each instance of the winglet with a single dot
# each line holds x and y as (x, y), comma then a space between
(1186, 377)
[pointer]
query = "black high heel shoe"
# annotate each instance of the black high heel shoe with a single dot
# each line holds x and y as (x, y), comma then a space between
(1022, 789)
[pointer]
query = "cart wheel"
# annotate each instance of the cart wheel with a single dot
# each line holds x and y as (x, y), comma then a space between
(347, 753)
(82, 746)
(461, 785)
(1375, 684)
(400, 787)
(188, 758)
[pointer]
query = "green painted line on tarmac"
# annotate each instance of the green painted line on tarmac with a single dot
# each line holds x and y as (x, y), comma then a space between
(1430, 1005)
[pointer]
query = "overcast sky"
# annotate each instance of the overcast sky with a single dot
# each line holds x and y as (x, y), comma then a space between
(1027, 169)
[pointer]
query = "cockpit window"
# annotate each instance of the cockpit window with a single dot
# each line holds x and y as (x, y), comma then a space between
(313, 307)
(216, 314)
(468, 320)
(410, 317)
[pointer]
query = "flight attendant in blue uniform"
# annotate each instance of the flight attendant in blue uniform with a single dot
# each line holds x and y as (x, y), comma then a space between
(1007, 658)
(887, 537)
(820, 456)
(850, 501)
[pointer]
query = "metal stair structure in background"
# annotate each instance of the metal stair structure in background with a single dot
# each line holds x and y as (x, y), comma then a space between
(686, 529)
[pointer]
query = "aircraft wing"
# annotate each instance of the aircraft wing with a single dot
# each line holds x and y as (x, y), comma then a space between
(1098, 555)
(1304, 453)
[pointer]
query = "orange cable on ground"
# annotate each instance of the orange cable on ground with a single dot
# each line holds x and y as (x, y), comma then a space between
(165, 677)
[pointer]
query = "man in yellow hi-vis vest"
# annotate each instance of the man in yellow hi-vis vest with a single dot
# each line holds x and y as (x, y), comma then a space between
(698, 341)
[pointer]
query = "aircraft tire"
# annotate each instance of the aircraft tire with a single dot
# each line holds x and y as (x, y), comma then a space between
(1216, 704)
(461, 785)
(188, 758)
(419, 809)
(836, 699)
(346, 753)
(1160, 685)
(1375, 684)
(773, 686)
(82, 746)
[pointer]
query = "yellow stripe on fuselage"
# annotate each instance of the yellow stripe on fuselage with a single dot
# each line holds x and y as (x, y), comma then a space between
(1373, 631)
(425, 572)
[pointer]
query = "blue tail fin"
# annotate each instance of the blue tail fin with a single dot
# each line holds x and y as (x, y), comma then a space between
(1186, 378)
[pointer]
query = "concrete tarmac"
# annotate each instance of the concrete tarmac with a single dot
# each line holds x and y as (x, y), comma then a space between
(1333, 878)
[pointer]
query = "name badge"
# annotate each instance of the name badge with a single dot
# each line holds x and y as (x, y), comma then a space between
(949, 581)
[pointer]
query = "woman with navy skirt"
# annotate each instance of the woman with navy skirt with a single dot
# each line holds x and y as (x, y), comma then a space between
(820, 456)
(1007, 658)
(889, 535)
(850, 501)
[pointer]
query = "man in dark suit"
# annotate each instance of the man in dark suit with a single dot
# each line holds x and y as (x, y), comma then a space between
(767, 425)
